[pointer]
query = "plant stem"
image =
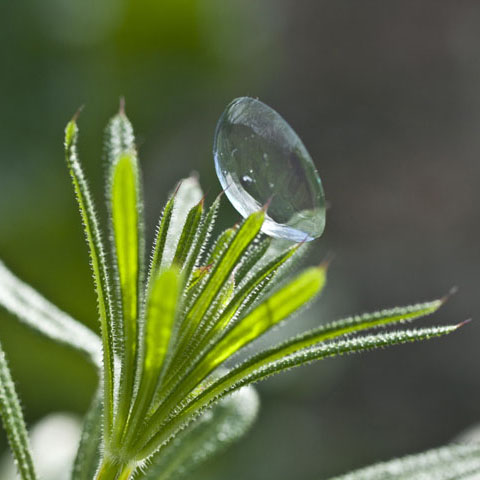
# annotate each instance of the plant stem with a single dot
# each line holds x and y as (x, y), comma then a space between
(110, 470)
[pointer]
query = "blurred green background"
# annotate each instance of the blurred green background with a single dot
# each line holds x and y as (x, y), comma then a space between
(386, 96)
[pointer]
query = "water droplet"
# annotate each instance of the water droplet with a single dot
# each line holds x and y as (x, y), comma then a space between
(270, 164)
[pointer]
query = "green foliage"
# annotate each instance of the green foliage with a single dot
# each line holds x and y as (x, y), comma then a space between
(206, 437)
(44, 318)
(12, 419)
(454, 462)
(169, 333)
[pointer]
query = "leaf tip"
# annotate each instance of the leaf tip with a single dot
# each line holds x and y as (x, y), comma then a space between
(267, 204)
(77, 113)
(462, 324)
(450, 294)
(121, 106)
(326, 262)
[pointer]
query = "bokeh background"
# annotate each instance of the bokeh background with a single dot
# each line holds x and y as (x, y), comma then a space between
(386, 96)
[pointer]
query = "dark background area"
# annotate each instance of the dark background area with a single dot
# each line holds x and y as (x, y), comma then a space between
(385, 95)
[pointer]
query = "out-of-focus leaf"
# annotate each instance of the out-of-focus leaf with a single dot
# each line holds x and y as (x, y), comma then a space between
(88, 453)
(208, 436)
(13, 422)
(43, 317)
(454, 462)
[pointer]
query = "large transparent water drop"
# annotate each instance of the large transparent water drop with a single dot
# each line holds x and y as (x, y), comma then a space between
(261, 161)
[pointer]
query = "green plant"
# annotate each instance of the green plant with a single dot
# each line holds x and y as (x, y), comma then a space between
(168, 330)
(453, 462)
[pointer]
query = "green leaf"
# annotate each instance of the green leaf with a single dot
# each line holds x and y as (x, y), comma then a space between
(208, 436)
(189, 235)
(188, 194)
(100, 273)
(13, 422)
(41, 316)
(253, 256)
(88, 453)
(126, 208)
(161, 313)
(221, 244)
(160, 240)
(252, 290)
(221, 272)
(297, 293)
(259, 368)
(201, 240)
(453, 462)
(350, 325)
(268, 314)
(119, 137)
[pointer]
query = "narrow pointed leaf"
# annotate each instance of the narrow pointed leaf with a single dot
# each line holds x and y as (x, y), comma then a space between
(43, 317)
(187, 195)
(221, 272)
(208, 436)
(88, 453)
(221, 244)
(127, 229)
(453, 462)
(119, 137)
(13, 422)
(232, 303)
(156, 261)
(189, 235)
(161, 311)
(201, 240)
(268, 314)
(254, 255)
(258, 368)
(100, 273)
(349, 325)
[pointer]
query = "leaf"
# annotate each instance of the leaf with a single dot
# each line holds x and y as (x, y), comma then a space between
(219, 275)
(161, 312)
(254, 255)
(40, 315)
(350, 325)
(88, 453)
(201, 240)
(160, 239)
(253, 288)
(268, 314)
(453, 462)
(189, 235)
(119, 136)
(100, 273)
(208, 436)
(188, 194)
(127, 227)
(259, 368)
(220, 245)
(13, 422)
